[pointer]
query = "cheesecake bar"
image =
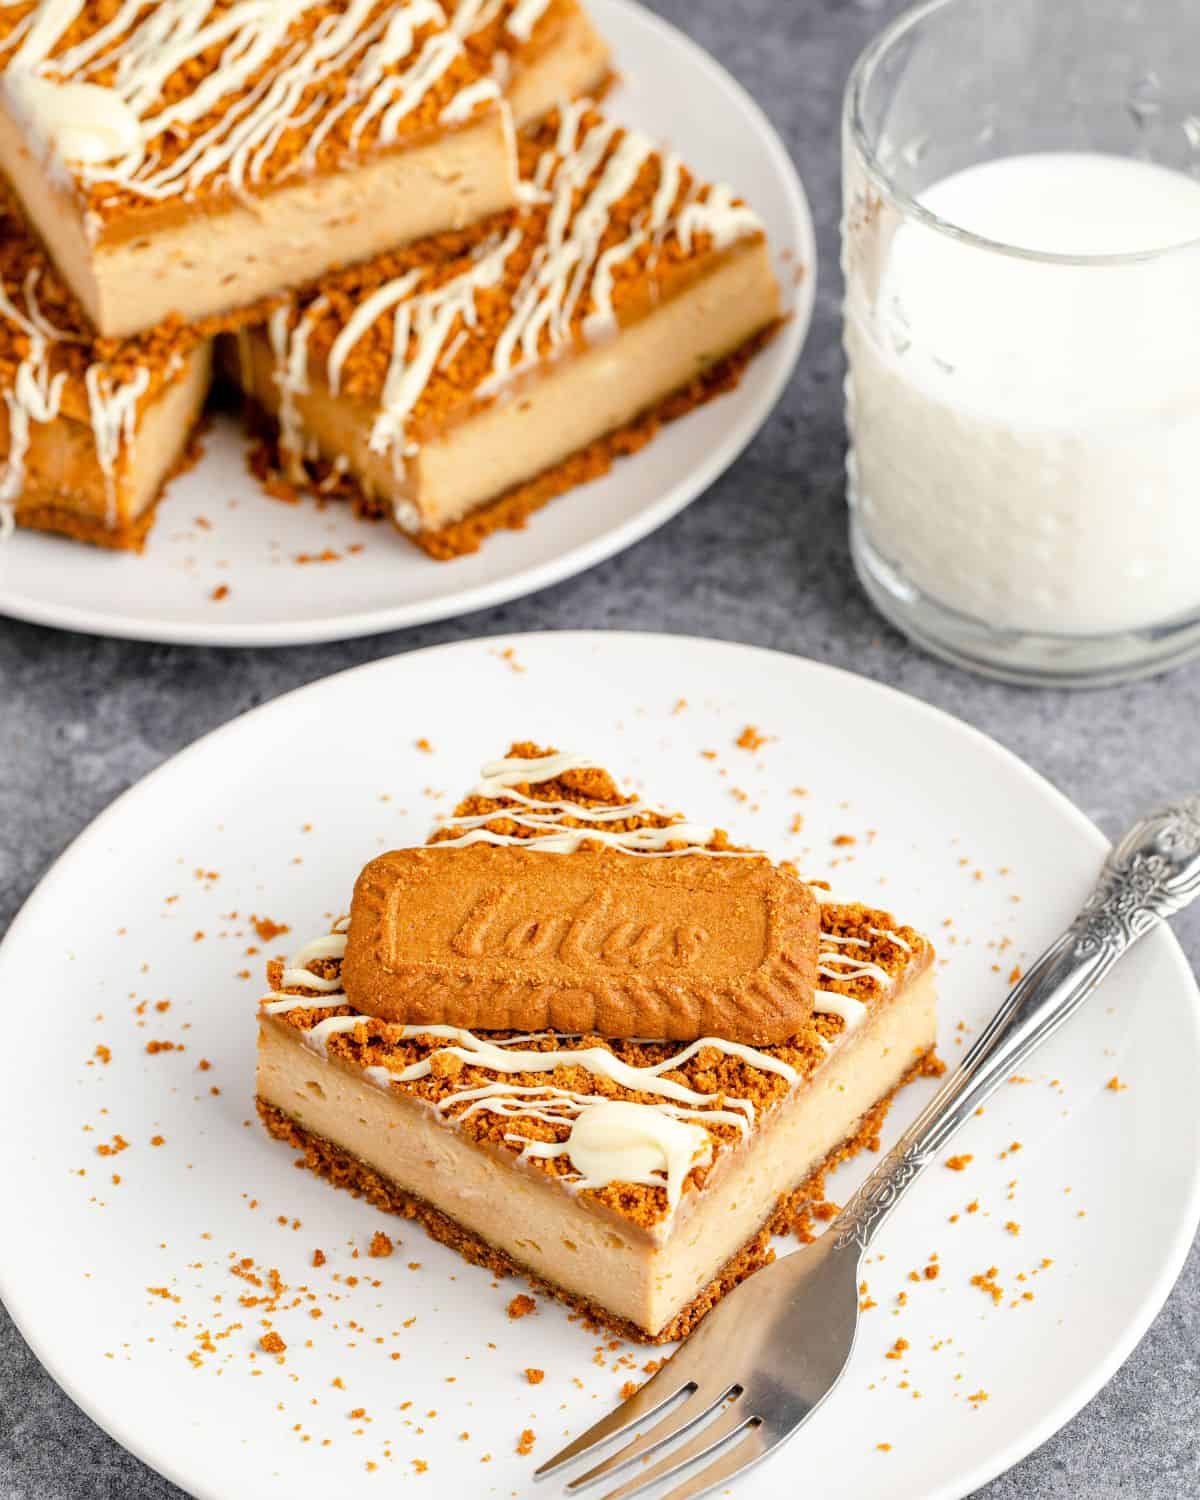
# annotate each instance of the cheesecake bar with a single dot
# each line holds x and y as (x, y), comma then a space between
(191, 156)
(540, 52)
(90, 429)
(636, 1178)
(459, 384)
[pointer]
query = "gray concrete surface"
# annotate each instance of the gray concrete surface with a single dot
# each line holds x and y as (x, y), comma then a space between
(761, 558)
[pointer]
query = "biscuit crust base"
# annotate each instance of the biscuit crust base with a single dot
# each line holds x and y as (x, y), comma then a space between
(793, 1212)
(32, 515)
(511, 510)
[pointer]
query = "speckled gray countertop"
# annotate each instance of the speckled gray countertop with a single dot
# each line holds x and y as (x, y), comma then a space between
(761, 558)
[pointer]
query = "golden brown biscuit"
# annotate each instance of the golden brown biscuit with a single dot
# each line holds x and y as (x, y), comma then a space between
(494, 938)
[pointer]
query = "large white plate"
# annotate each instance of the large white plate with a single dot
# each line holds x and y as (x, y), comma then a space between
(274, 815)
(216, 526)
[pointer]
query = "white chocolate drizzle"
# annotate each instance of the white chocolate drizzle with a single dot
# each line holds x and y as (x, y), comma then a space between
(114, 414)
(843, 966)
(468, 99)
(599, 1061)
(470, 16)
(891, 937)
(267, 80)
(290, 347)
(361, 319)
(834, 964)
(716, 215)
(524, 16)
(851, 1012)
(500, 779)
(34, 396)
(429, 319)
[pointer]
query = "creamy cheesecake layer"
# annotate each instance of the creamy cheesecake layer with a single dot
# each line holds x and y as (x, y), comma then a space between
(645, 1274)
(212, 262)
(543, 418)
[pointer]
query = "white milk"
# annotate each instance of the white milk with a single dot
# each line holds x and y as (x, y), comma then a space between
(1026, 434)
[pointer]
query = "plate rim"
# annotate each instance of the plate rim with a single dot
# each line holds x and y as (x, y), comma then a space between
(1058, 1413)
(575, 559)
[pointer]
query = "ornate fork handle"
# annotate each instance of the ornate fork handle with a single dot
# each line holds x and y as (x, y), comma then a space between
(1150, 875)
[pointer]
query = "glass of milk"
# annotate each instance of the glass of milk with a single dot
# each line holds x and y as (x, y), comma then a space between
(1021, 249)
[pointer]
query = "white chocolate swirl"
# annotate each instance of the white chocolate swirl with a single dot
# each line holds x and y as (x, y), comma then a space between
(614, 1140)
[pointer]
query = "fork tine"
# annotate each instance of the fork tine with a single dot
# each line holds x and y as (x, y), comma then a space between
(677, 1421)
(665, 1385)
(755, 1445)
(712, 1435)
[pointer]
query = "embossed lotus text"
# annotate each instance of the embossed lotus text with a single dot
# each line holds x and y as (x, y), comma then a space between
(505, 937)
(595, 929)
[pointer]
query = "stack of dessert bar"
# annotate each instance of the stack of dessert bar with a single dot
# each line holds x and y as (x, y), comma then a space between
(579, 1038)
(448, 286)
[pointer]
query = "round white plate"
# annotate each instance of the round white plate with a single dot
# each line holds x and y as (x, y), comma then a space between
(216, 527)
(124, 1289)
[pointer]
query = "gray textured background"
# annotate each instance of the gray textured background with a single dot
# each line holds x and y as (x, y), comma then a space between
(761, 558)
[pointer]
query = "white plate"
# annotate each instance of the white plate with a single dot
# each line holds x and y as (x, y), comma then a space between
(284, 806)
(217, 527)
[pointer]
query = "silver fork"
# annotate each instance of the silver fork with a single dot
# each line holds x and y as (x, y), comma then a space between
(767, 1356)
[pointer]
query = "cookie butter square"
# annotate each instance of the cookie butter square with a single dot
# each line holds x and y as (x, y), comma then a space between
(493, 938)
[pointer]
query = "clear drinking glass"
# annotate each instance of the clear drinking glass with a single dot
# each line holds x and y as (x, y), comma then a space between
(1021, 248)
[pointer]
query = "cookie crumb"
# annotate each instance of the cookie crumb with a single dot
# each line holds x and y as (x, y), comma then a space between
(986, 1282)
(267, 930)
